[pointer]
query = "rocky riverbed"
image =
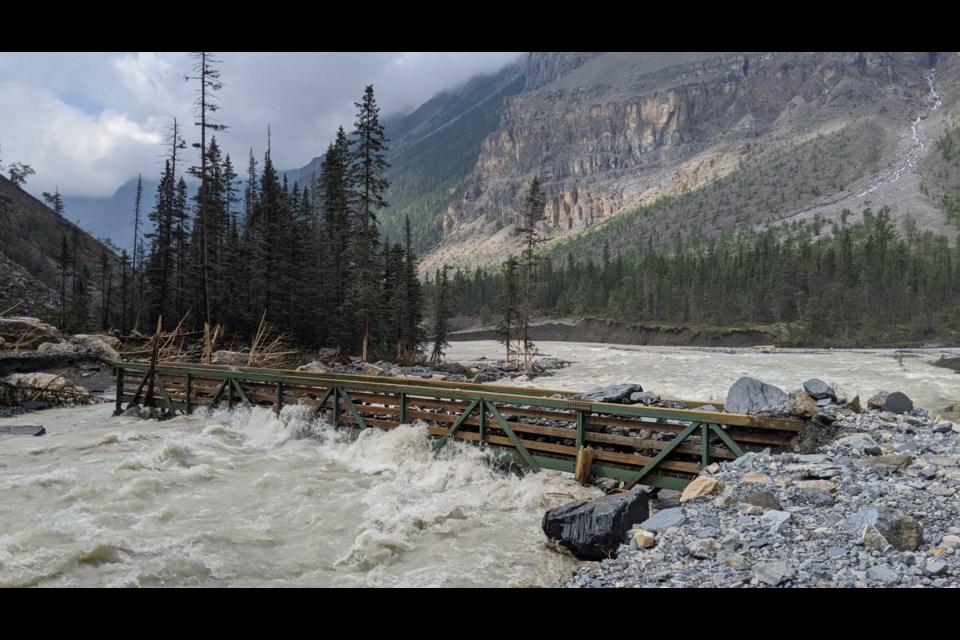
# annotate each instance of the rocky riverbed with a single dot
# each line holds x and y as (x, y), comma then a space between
(876, 506)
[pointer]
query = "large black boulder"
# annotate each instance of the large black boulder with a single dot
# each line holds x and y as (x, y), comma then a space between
(897, 402)
(593, 530)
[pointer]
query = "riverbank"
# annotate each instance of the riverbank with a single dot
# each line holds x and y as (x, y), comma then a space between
(606, 331)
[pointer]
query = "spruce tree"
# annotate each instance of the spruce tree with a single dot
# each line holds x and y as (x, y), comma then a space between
(368, 164)
(530, 218)
(442, 313)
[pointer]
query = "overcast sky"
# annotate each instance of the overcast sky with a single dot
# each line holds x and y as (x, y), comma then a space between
(88, 122)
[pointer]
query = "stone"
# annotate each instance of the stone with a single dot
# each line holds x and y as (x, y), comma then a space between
(944, 426)
(935, 567)
(749, 395)
(854, 405)
(952, 540)
(644, 539)
(224, 356)
(712, 468)
(898, 529)
(593, 530)
(762, 498)
(46, 382)
(664, 519)
(876, 401)
(873, 538)
(815, 497)
(899, 460)
(897, 402)
(909, 445)
(703, 549)
(757, 478)
(315, 366)
(802, 405)
(883, 574)
(60, 348)
(22, 429)
(644, 397)
(24, 332)
(775, 519)
(836, 552)
(772, 573)
(819, 389)
(701, 486)
(822, 485)
(616, 393)
(98, 346)
(950, 362)
(861, 442)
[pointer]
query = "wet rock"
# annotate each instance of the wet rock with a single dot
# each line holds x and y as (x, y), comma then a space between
(593, 530)
(749, 395)
(645, 397)
(876, 401)
(819, 390)
(772, 573)
(617, 393)
(802, 405)
(22, 429)
(664, 519)
(949, 362)
(700, 486)
(897, 402)
(764, 499)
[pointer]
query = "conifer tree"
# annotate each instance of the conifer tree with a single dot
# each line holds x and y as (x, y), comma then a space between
(530, 217)
(368, 164)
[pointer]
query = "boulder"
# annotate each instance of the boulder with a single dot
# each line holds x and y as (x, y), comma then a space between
(60, 348)
(229, 357)
(618, 393)
(949, 362)
(22, 429)
(802, 405)
(876, 401)
(98, 345)
(664, 519)
(772, 573)
(818, 389)
(645, 397)
(24, 332)
(897, 402)
(898, 529)
(749, 395)
(700, 486)
(316, 367)
(594, 530)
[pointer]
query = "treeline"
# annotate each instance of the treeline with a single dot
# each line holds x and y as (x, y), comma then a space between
(306, 259)
(862, 284)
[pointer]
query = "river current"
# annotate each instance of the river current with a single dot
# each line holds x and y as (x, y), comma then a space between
(245, 499)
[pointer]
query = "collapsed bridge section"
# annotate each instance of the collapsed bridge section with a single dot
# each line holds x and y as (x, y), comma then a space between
(540, 428)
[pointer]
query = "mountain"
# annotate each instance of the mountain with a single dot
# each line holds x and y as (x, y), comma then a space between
(639, 146)
(700, 142)
(32, 239)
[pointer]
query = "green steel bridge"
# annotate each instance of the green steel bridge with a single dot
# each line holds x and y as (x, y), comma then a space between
(540, 428)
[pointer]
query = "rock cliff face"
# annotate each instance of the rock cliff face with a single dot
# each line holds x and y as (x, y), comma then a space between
(609, 132)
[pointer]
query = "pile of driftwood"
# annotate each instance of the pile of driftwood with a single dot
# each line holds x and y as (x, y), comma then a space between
(268, 349)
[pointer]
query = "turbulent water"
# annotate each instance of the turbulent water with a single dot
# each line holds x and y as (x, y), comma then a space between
(706, 374)
(244, 499)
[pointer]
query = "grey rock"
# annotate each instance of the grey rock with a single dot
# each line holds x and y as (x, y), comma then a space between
(749, 395)
(23, 429)
(935, 567)
(876, 401)
(883, 574)
(772, 573)
(836, 552)
(762, 498)
(703, 549)
(594, 530)
(909, 445)
(897, 402)
(815, 497)
(616, 393)
(900, 530)
(819, 389)
(775, 519)
(645, 397)
(812, 458)
(706, 407)
(664, 519)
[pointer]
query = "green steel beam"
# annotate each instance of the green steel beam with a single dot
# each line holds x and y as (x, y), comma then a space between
(353, 409)
(143, 382)
(163, 392)
(456, 425)
(189, 389)
(215, 398)
(403, 408)
(236, 385)
(704, 445)
(319, 406)
(614, 473)
(657, 459)
(727, 440)
(522, 450)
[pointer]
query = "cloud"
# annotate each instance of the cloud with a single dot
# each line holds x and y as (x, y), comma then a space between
(88, 122)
